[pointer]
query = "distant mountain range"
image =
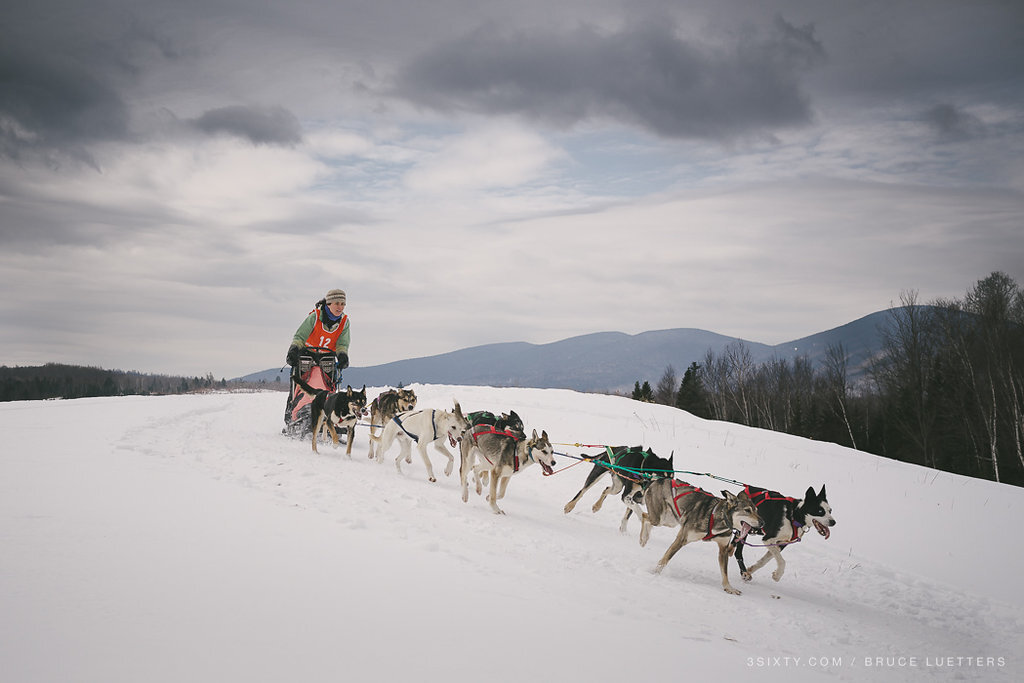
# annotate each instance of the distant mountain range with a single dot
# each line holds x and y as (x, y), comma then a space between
(600, 362)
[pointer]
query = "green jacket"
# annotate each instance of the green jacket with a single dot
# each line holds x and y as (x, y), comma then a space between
(302, 334)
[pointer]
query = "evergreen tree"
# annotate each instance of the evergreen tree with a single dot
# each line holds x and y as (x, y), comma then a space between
(643, 392)
(691, 396)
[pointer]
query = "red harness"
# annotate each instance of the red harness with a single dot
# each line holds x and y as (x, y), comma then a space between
(676, 484)
(510, 434)
(765, 495)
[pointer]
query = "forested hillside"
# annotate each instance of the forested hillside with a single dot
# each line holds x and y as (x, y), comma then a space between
(56, 380)
(946, 389)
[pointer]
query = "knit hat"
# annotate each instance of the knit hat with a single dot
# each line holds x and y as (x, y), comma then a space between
(335, 296)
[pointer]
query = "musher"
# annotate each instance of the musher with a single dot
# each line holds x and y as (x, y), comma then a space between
(322, 340)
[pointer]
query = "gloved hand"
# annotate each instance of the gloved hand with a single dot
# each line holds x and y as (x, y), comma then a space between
(293, 355)
(342, 360)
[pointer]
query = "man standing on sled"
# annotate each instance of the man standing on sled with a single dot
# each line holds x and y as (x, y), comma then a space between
(317, 355)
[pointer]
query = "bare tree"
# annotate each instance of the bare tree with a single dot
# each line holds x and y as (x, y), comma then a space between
(836, 366)
(740, 366)
(716, 381)
(904, 373)
(665, 391)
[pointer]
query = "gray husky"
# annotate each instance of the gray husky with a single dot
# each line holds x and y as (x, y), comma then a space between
(700, 516)
(388, 404)
(424, 427)
(496, 456)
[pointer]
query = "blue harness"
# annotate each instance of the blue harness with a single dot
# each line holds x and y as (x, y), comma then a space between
(433, 424)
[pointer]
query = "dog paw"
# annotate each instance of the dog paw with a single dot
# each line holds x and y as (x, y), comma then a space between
(746, 576)
(732, 591)
(777, 575)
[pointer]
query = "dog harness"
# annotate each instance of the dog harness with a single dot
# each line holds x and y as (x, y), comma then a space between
(516, 464)
(759, 495)
(433, 424)
(483, 418)
(764, 495)
(677, 484)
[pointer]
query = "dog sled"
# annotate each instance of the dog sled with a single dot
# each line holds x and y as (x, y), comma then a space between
(317, 370)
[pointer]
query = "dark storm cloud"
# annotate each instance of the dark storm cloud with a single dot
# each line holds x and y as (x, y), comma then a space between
(54, 102)
(644, 75)
(64, 70)
(259, 125)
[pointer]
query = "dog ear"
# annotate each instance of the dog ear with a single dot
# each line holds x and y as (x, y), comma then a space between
(727, 494)
(811, 495)
(535, 435)
(822, 496)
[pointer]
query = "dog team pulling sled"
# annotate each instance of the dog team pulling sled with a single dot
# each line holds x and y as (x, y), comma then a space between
(495, 447)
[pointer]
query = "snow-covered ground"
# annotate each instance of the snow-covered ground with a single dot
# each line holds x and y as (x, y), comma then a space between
(183, 538)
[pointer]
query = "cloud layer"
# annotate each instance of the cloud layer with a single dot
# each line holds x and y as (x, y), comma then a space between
(180, 181)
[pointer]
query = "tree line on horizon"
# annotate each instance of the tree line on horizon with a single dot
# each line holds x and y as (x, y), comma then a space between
(946, 391)
(58, 380)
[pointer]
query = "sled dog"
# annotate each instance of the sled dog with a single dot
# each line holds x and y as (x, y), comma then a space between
(424, 427)
(493, 456)
(388, 404)
(786, 520)
(508, 423)
(339, 409)
(631, 469)
(700, 516)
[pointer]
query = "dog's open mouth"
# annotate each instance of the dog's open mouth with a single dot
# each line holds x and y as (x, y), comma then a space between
(451, 440)
(822, 529)
(744, 530)
(547, 469)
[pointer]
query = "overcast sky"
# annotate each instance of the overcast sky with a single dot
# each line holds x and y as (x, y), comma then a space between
(181, 180)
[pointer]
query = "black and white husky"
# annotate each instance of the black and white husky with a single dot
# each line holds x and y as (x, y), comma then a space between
(423, 427)
(786, 520)
(631, 470)
(495, 456)
(331, 411)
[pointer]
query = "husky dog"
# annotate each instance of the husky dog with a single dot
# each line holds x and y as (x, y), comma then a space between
(339, 409)
(508, 423)
(500, 456)
(388, 404)
(785, 521)
(631, 469)
(700, 516)
(425, 427)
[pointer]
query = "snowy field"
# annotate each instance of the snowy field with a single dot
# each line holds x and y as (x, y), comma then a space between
(184, 539)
